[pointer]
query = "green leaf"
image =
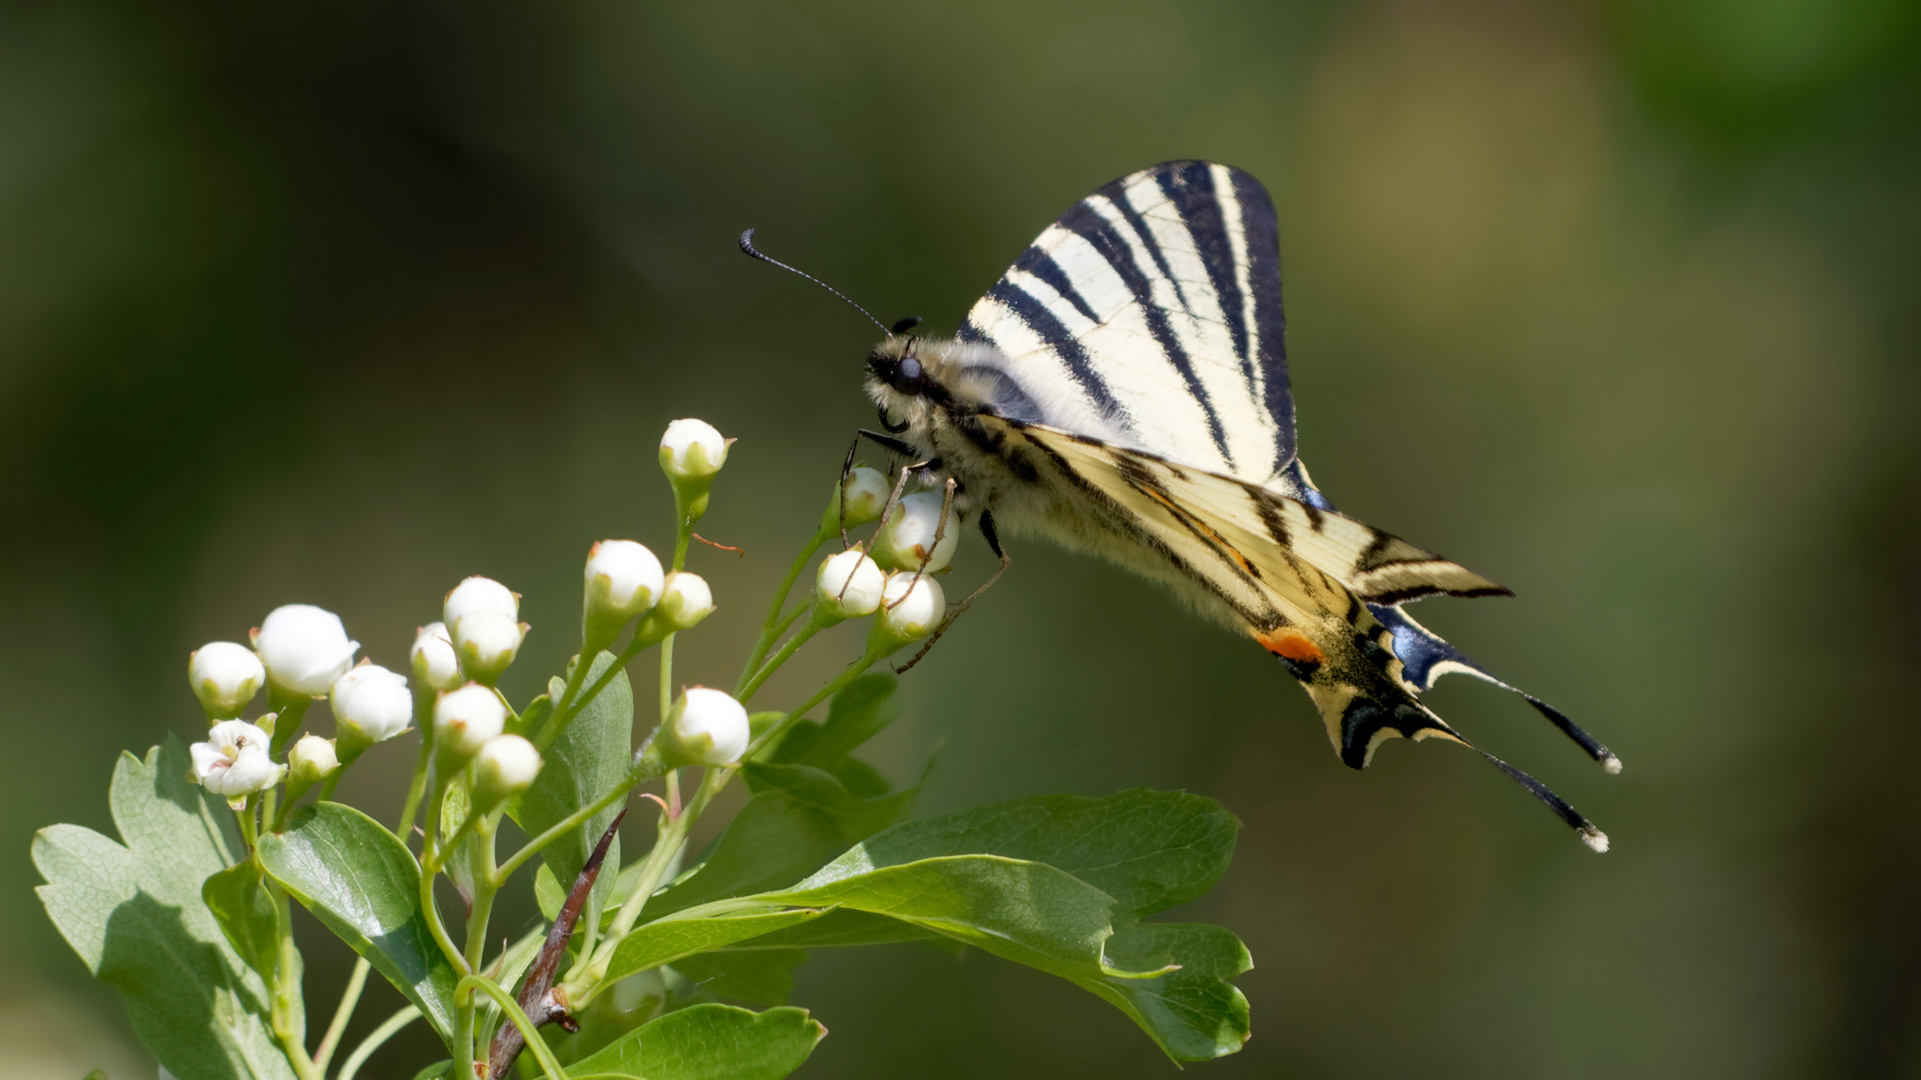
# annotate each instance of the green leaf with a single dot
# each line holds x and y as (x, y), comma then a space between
(238, 898)
(437, 1070)
(135, 915)
(364, 885)
(590, 756)
(755, 976)
(1063, 892)
(459, 859)
(532, 718)
(861, 710)
(774, 841)
(856, 818)
(667, 940)
(841, 927)
(548, 892)
(1027, 912)
(709, 1042)
(1149, 850)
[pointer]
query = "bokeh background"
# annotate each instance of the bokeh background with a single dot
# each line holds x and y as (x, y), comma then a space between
(1615, 301)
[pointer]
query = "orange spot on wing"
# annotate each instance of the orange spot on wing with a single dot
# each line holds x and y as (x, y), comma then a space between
(1292, 645)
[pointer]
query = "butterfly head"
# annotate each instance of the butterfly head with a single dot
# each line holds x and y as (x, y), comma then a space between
(915, 381)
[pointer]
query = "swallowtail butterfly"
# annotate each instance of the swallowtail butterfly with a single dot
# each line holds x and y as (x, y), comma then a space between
(1123, 390)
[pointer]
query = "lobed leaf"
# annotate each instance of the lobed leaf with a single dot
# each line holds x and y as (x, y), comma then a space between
(708, 1042)
(135, 914)
(364, 885)
(1062, 893)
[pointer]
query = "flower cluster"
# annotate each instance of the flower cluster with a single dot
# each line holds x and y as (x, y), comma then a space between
(478, 757)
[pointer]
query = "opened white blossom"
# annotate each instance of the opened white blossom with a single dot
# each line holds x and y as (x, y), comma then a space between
(505, 767)
(304, 649)
(372, 704)
(435, 664)
(477, 594)
(692, 450)
(911, 607)
(709, 726)
(311, 760)
(467, 719)
(863, 493)
(909, 534)
(487, 642)
(225, 676)
(235, 760)
(849, 584)
(684, 601)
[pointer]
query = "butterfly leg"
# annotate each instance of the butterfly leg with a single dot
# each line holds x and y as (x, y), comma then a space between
(994, 542)
(900, 487)
(940, 533)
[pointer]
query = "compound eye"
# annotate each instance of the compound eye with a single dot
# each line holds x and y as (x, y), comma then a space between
(907, 376)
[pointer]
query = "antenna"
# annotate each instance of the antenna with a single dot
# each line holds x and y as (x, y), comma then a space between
(747, 245)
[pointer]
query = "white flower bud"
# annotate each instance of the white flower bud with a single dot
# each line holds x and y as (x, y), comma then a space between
(436, 666)
(486, 642)
(865, 492)
(692, 450)
(371, 704)
(684, 601)
(467, 719)
(624, 576)
(304, 649)
(908, 535)
(849, 584)
(623, 580)
(506, 767)
(911, 607)
(709, 727)
(478, 594)
(234, 761)
(311, 760)
(225, 677)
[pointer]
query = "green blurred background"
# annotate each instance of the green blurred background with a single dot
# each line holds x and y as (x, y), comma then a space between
(340, 301)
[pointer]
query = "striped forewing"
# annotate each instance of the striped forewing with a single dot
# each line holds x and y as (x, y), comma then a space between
(1149, 316)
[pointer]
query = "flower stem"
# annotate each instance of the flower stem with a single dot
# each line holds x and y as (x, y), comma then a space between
(567, 824)
(787, 649)
(430, 866)
(287, 1004)
(375, 1040)
(510, 1008)
(666, 677)
(417, 786)
(484, 889)
(331, 1041)
(770, 630)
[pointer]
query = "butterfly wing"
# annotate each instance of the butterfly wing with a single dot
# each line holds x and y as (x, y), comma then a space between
(1149, 316)
(1314, 587)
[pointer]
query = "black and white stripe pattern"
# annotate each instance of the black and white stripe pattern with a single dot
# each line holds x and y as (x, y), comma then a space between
(1149, 316)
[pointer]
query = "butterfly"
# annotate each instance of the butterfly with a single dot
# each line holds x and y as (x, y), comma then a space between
(1123, 390)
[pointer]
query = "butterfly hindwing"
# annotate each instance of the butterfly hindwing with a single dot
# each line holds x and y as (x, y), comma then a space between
(1149, 316)
(1298, 578)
